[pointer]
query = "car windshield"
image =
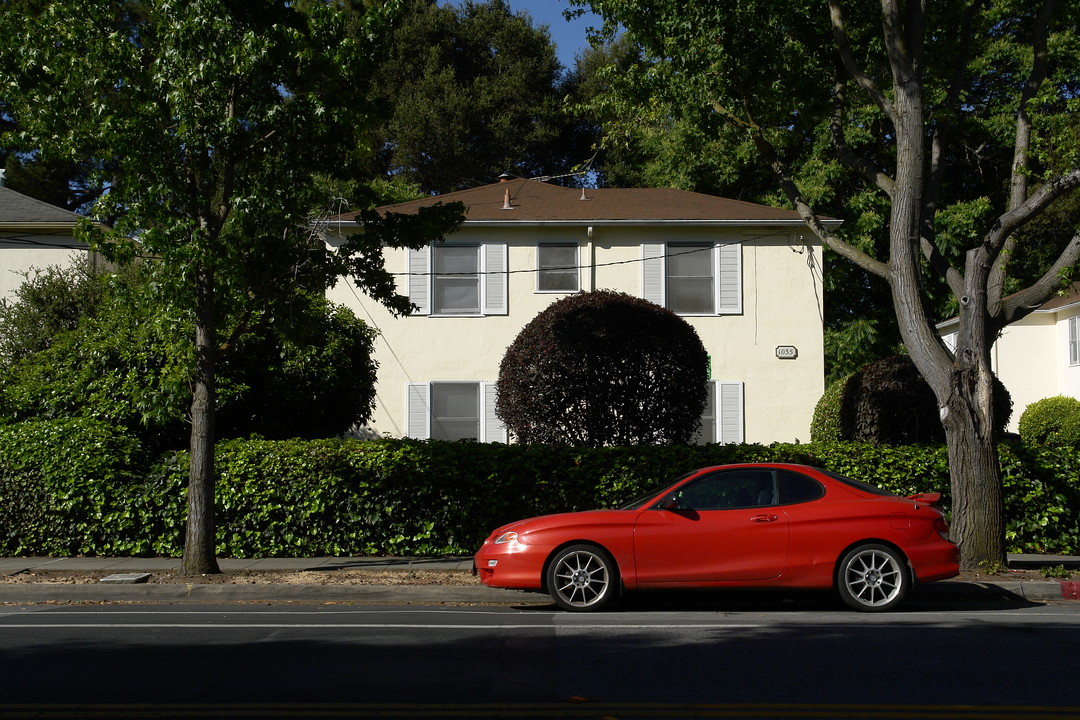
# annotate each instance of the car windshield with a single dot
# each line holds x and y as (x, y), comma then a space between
(656, 490)
(857, 484)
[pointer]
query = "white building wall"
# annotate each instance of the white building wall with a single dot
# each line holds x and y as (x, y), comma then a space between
(1026, 360)
(17, 258)
(1068, 375)
(781, 306)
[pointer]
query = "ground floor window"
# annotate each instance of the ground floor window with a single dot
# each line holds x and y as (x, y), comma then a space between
(722, 421)
(453, 410)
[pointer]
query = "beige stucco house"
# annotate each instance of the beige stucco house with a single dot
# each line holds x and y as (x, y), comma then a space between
(747, 277)
(33, 235)
(1039, 355)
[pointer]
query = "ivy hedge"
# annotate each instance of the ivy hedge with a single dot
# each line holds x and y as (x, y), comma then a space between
(81, 487)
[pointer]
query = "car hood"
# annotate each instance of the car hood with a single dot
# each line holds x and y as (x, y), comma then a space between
(561, 520)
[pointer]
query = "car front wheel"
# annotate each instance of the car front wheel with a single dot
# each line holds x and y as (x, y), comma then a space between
(873, 578)
(582, 577)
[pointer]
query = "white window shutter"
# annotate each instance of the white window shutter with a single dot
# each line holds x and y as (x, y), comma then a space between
(729, 279)
(418, 411)
(729, 412)
(495, 279)
(652, 270)
(420, 279)
(491, 427)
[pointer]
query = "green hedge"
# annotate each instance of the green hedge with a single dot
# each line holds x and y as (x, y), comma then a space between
(77, 487)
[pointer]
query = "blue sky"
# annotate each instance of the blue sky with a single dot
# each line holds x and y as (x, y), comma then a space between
(569, 37)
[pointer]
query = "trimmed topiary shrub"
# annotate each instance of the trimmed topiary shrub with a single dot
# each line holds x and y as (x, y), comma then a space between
(603, 368)
(1053, 421)
(888, 402)
(825, 427)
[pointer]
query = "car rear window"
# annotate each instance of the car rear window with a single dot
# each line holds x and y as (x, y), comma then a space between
(857, 484)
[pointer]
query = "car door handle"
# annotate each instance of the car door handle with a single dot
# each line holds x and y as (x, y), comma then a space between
(764, 518)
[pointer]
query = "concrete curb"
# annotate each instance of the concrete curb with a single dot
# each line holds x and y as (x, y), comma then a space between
(16, 593)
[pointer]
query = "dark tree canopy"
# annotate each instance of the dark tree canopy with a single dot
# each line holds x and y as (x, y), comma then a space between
(604, 368)
(471, 91)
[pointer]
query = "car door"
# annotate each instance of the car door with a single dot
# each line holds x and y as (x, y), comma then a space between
(725, 526)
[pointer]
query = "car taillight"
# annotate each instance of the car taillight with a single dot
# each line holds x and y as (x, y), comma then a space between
(942, 527)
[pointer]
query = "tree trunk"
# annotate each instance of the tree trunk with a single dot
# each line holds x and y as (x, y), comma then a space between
(978, 522)
(200, 557)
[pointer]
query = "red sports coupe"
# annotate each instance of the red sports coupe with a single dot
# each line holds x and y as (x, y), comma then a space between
(755, 525)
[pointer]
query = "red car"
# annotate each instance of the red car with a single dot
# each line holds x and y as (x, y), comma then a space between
(754, 525)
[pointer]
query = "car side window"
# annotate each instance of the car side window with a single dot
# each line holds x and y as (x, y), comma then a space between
(728, 490)
(798, 488)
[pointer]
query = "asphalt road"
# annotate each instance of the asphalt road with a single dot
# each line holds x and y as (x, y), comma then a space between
(679, 658)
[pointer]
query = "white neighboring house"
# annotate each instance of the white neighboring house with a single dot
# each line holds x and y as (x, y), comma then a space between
(1037, 356)
(747, 277)
(33, 236)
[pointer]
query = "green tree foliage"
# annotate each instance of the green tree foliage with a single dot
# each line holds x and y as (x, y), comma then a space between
(941, 132)
(49, 301)
(471, 90)
(603, 368)
(653, 136)
(117, 354)
(213, 116)
(1053, 422)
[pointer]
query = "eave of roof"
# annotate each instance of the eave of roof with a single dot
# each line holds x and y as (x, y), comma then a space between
(1069, 298)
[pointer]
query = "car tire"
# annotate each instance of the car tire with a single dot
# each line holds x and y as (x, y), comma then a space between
(582, 578)
(873, 578)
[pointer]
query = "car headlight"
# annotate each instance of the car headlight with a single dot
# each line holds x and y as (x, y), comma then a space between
(506, 537)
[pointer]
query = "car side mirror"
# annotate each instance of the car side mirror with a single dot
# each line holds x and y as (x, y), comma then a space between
(669, 503)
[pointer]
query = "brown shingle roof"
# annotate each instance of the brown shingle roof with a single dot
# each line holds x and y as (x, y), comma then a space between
(536, 201)
(1070, 296)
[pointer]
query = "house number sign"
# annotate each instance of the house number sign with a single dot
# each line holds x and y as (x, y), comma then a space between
(787, 352)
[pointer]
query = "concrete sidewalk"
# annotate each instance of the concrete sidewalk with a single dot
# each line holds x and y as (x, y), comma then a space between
(14, 593)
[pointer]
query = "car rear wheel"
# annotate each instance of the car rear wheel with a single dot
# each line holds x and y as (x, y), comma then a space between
(582, 577)
(873, 578)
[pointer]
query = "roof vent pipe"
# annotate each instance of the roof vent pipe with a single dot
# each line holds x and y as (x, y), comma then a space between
(506, 200)
(583, 196)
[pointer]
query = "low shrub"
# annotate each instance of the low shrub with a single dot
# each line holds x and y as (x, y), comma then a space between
(79, 487)
(1053, 421)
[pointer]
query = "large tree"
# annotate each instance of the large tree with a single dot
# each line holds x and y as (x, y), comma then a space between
(471, 90)
(956, 120)
(657, 139)
(212, 116)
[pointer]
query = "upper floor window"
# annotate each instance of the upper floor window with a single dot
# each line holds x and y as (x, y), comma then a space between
(557, 267)
(693, 278)
(456, 280)
(459, 280)
(1074, 340)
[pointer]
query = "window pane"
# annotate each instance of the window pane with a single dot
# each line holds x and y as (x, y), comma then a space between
(557, 267)
(707, 430)
(1074, 341)
(455, 411)
(690, 279)
(455, 259)
(457, 295)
